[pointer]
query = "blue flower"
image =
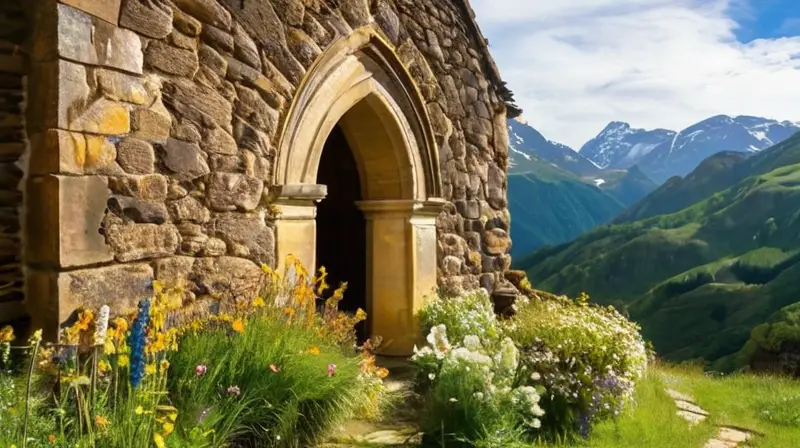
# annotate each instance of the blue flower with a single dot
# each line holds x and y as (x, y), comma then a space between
(137, 340)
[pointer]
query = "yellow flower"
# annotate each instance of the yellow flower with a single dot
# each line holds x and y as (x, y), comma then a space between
(139, 410)
(164, 365)
(150, 369)
(124, 361)
(258, 302)
(101, 421)
(289, 311)
(103, 366)
(238, 326)
(314, 350)
(158, 439)
(168, 428)
(7, 334)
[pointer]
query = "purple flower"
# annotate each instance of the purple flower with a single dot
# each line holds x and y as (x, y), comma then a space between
(200, 370)
(203, 415)
(234, 390)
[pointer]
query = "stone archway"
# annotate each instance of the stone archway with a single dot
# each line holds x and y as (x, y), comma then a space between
(360, 85)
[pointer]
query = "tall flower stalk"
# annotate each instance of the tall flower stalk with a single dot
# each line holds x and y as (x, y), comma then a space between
(137, 340)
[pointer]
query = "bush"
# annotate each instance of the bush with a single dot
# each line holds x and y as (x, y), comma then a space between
(587, 357)
(468, 376)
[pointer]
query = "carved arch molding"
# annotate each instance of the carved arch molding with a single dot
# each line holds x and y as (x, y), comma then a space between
(360, 84)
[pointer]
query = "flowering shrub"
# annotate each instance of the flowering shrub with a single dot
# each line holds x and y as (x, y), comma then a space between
(470, 314)
(587, 357)
(469, 380)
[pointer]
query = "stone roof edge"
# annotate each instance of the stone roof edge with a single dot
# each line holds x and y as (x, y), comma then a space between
(492, 70)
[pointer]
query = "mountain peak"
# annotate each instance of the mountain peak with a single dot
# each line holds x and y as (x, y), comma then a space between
(615, 126)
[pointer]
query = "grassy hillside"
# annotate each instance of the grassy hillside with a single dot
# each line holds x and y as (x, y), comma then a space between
(630, 187)
(701, 278)
(716, 173)
(549, 206)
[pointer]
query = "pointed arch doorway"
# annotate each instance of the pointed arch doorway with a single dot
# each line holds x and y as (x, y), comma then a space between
(358, 124)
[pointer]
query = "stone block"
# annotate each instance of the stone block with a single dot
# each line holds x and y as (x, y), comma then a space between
(62, 152)
(136, 156)
(52, 297)
(138, 211)
(207, 11)
(152, 18)
(219, 141)
(184, 159)
(65, 214)
(185, 23)
(118, 86)
(227, 276)
(172, 60)
(197, 103)
(152, 125)
(89, 40)
(131, 242)
(188, 209)
(248, 231)
(232, 191)
(150, 187)
(107, 10)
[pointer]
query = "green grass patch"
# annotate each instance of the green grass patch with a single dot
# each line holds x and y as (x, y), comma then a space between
(763, 403)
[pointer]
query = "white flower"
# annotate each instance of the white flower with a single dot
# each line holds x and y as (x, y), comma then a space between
(431, 376)
(437, 338)
(101, 325)
(473, 343)
(454, 400)
(535, 376)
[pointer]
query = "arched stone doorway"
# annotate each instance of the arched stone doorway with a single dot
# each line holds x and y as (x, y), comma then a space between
(360, 89)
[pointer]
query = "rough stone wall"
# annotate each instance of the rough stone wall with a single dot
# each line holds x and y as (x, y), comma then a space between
(154, 126)
(13, 68)
(469, 120)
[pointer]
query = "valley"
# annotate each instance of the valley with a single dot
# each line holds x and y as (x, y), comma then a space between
(706, 263)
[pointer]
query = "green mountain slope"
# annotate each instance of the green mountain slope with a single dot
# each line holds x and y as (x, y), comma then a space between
(551, 206)
(701, 278)
(716, 173)
(630, 187)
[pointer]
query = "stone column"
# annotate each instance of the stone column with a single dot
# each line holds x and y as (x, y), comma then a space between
(401, 269)
(296, 226)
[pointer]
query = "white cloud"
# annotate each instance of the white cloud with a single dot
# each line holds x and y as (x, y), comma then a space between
(575, 65)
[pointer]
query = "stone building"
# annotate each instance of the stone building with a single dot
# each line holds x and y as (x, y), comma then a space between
(198, 139)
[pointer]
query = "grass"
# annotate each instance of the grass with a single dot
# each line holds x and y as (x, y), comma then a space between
(286, 390)
(653, 423)
(767, 404)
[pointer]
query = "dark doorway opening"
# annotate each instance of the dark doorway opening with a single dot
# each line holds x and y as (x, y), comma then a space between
(341, 229)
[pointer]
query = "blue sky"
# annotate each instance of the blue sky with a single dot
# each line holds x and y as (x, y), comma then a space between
(767, 19)
(575, 65)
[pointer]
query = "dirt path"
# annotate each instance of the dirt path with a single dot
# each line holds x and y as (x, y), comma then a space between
(398, 429)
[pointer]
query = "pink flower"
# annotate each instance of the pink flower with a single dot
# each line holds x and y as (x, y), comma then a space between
(234, 390)
(331, 369)
(274, 368)
(200, 370)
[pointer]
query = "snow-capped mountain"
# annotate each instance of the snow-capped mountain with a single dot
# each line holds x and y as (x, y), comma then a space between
(527, 147)
(684, 152)
(619, 146)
